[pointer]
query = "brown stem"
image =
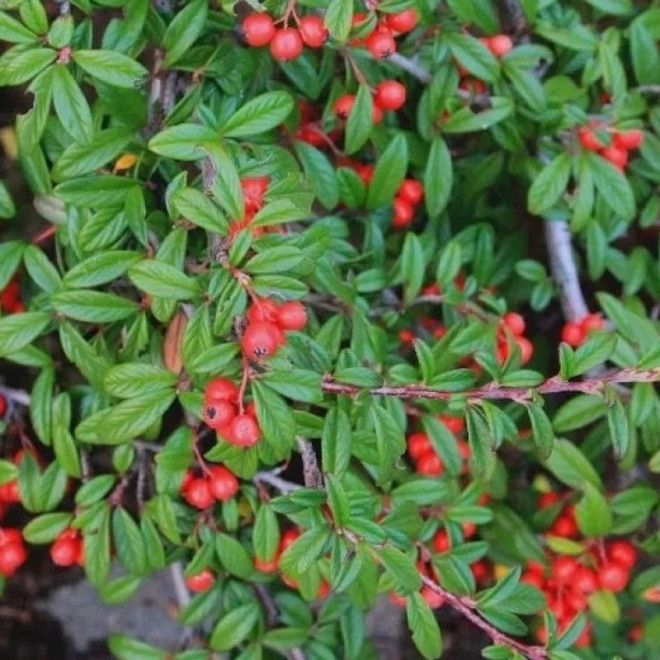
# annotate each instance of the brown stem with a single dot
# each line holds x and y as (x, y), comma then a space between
(492, 390)
(311, 472)
(466, 608)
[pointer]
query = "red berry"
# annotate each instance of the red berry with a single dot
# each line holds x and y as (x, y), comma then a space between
(243, 431)
(548, 499)
(572, 333)
(324, 589)
(441, 541)
(613, 576)
(198, 493)
(254, 188)
(403, 21)
(630, 139)
(288, 537)
(589, 139)
(403, 213)
(584, 581)
(433, 598)
(565, 526)
(201, 582)
(286, 45)
(592, 322)
(526, 349)
(380, 43)
(220, 389)
(3, 406)
(313, 31)
(292, 315)
(263, 309)
(469, 529)
(419, 444)
(390, 95)
(218, 415)
(9, 492)
(515, 323)
(430, 464)
(396, 599)
(67, 548)
(222, 483)
(454, 424)
(564, 568)
(411, 191)
(622, 552)
(617, 156)
(266, 566)
(261, 340)
(481, 570)
(499, 45)
(258, 29)
(343, 106)
(12, 555)
(529, 577)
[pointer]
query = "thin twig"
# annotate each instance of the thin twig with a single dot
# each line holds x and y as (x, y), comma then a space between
(282, 485)
(311, 472)
(554, 385)
(17, 396)
(467, 609)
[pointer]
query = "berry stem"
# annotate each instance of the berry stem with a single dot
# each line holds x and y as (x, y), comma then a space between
(241, 389)
(199, 457)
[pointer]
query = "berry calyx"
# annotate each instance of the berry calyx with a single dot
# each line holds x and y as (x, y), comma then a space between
(218, 415)
(390, 95)
(223, 483)
(258, 29)
(286, 45)
(313, 31)
(200, 582)
(243, 431)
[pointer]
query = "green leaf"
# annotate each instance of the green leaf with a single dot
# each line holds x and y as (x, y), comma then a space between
(338, 19)
(320, 172)
(482, 455)
(337, 500)
(233, 556)
(275, 260)
(111, 67)
(275, 420)
(199, 209)
(93, 306)
(400, 566)
(160, 279)
(184, 30)
(467, 121)
(543, 435)
(438, 177)
(234, 627)
(96, 191)
(41, 269)
(390, 442)
(7, 208)
(128, 542)
(17, 65)
(135, 379)
(617, 420)
(259, 115)
(336, 443)
(19, 330)
(11, 254)
(100, 268)
(46, 527)
(613, 186)
(390, 171)
(549, 185)
(424, 627)
(183, 142)
(360, 121)
(296, 384)
(71, 106)
(266, 533)
(613, 7)
(473, 55)
(226, 187)
(14, 32)
(592, 513)
(578, 412)
(125, 648)
(571, 466)
(604, 606)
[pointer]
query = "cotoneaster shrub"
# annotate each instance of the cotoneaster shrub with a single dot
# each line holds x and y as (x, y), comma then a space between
(334, 300)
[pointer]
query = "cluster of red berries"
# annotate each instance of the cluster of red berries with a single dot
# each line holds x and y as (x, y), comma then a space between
(574, 333)
(499, 45)
(309, 129)
(12, 551)
(380, 42)
(10, 298)
(569, 581)
(285, 43)
(67, 549)
(423, 454)
(565, 524)
(217, 483)
(222, 413)
(407, 198)
(612, 144)
(513, 325)
(267, 322)
(387, 95)
(254, 190)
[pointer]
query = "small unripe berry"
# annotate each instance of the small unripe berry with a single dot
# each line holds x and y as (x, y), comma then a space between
(390, 95)
(313, 31)
(258, 29)
(286, 44)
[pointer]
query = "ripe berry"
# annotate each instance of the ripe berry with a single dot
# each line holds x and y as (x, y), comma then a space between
(313, 31)
(12, 555)
(419, 444)
(548, 499)
(288, 537)
(630, 139)
(572, 333)
(220, 389)
(263, 309)
(589, 140)
(286, 45)
(266, 566)
(258, 29)
(201, 582)
(433, 599)
(67, 548)
(441, 541)
(500, 45)
(396, 599)
(584, 581)
(218, 415)
(564, 568)
(222, 483)
(380, 43)
(622, 552)
(390, 95)
(254, 188)
(198, 493)
(243, 431)
(515, 323)
(613, 576)
(324, 589)
(260, 340)
(292, 315)
(343, 106)
(411, 191)
(526, 349)
(430, 464)
(403, 213)
(9, 492)
(592, 322)
(3, 406)
(564, 526)
(617, 156)
(403, 21)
